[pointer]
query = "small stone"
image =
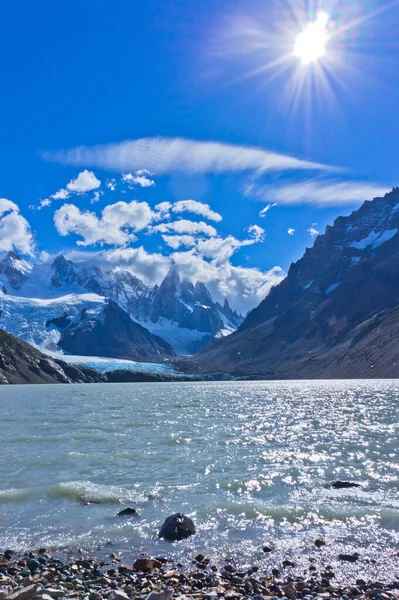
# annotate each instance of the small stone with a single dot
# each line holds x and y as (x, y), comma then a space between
(267, 549)
(142, 564)
(162, 594)
(199, 558)
(319, 543)
(290, 592)
(349, 557)
(288, 563)
(342, 485)
(118, 595)
(275, 572)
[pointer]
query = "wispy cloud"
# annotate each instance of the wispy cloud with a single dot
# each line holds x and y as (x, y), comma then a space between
(318, 191)
(265, 210)
(195, 207)
(167, 155)
(291, 231)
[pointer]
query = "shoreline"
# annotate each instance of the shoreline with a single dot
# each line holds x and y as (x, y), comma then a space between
(84, 576)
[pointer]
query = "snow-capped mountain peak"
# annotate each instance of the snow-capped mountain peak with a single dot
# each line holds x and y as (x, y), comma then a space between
(183, 314)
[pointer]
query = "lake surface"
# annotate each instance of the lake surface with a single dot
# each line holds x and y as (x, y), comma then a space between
(249, 462)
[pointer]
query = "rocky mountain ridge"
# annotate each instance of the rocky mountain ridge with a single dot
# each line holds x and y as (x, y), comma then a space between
(337, 312)
(181, 313)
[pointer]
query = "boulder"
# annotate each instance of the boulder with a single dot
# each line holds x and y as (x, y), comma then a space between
(26, 593)
(142, 564)
(177, 527)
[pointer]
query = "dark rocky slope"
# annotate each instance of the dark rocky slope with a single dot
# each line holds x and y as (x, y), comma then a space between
(21, 363)
(114, 334)
(335, 315)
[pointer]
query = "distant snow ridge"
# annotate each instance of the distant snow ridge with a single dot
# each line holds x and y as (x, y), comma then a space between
(37, 302)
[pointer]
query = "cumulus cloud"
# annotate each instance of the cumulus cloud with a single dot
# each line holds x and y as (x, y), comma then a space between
(291, 231)
(172, 155)
(195, 207)
(244, 287)
(320, 192)
(15, 232)
(111, 184)
(140, 178)
(115, 226)
(185, 226)
(85, 182)
(176, 241)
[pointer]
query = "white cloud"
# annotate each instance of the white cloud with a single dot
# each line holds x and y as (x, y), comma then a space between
(176, 241)
(198, 208)
(62, 194)
(15, 232)
(265, 210)
(219, 249)
(244, 287)
(319, 192)
(115, 226)
(185, 226)
(96, 198)
(313, 232)
(111, 184)
(291, 231)
(169, 155)
(140, 178)
(86, 181)
(163, 207)
(257, 233)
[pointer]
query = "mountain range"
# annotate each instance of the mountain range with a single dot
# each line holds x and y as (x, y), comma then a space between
(82, 309)
(335, 315)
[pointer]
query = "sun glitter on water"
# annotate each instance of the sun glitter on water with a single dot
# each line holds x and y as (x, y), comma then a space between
(311, 43)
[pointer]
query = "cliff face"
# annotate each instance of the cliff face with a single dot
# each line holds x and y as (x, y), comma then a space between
(21, 363)
(335, 315)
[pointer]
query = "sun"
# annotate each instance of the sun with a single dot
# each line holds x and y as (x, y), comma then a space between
(311, 43)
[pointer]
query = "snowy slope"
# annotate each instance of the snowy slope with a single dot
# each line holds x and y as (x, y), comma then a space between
(181, 313)
(29, 318)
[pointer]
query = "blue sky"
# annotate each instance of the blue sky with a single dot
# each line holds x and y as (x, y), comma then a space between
(83, 82)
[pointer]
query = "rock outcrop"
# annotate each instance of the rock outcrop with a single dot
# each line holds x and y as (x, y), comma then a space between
(21, 363)
(336, 315)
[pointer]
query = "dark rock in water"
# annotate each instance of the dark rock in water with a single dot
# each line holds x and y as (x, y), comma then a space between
(267, 549)
(342, 485)
(177, 527)
(33, 565)
(349, 557)
(288, 563)
(127, 512)
(319, 543)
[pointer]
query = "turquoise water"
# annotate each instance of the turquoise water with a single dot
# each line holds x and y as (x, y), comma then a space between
(250, 462)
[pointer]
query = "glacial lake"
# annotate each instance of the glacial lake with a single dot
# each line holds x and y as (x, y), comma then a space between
(250, 462)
